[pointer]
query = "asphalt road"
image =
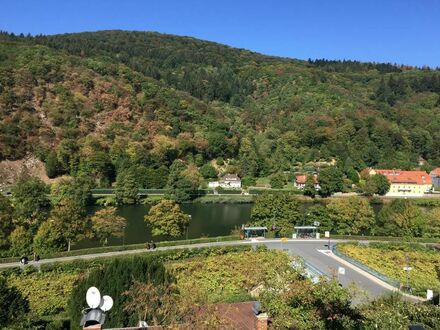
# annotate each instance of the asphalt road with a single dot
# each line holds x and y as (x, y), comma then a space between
(315, 252)
(312, 251)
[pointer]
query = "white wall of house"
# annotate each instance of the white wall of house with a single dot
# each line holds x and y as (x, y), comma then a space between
(230, 184)
(213, 184)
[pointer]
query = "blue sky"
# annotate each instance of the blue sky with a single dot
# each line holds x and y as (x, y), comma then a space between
(397, 31)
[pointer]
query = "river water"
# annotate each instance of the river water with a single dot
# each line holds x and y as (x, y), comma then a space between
(207, 220)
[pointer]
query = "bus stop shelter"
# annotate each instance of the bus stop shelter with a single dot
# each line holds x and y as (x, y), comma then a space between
(305, 231)
(250, 232)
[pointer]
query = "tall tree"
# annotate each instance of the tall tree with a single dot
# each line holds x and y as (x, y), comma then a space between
(182, 182)
(278, 180)
(106, 223)
(352, 215)
(77, 188)
(331, 180)
(402, 218)
(309, 187)
(6, 224)
(20, 241)
(319, 213)
(278, 211)
(31, 202)
(127, 187)
(248, 158)
(167, 219)
(382, 184)
(49, 238)
(71, 217)
(208, 171)
(51, 165)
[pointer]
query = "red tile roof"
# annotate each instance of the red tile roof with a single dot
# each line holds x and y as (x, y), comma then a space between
(301, 179)
(411, 177)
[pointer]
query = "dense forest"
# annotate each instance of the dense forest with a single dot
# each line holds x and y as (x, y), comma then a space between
(123, 104)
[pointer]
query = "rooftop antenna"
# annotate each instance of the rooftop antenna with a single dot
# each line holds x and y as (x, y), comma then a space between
(98, 306)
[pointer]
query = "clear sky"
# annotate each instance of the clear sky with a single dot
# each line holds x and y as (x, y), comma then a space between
(397, 31)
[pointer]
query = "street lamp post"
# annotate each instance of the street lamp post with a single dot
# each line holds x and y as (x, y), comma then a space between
(187, 226)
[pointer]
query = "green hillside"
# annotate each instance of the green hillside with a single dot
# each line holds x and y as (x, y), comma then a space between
(100, 103)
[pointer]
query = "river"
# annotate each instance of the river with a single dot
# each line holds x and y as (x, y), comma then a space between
(207, 220)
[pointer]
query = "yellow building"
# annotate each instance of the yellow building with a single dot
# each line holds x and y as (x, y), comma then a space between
(406, 183)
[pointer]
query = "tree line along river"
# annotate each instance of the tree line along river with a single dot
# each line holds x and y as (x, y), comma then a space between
(213, 219)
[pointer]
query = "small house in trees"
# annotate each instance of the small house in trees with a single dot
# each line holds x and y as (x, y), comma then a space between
(230, 181)
(300, 181)
(227, 181)
(435, 177)
(406, 183)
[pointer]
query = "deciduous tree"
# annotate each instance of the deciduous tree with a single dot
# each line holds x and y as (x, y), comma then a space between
(278, 180)
(71, 218)
(351, 215)
(21, 241)
(330, 180)
(127, 188)
(49, 238)
(106, 223)
(279, 211)
(167, 219)
(402, 218)
(208, 171)
(309, 187)
(6, 224)
(31, 202)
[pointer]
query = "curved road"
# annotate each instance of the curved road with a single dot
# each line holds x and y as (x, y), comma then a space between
(314, 252)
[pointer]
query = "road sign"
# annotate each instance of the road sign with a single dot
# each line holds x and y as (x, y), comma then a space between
(407, 269)
(327, 234)
(341, 270)
(316, 223)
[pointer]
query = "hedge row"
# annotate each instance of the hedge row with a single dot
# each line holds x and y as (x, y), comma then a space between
(386, 238)
(166, 255)
(116, 248)
(259, 191)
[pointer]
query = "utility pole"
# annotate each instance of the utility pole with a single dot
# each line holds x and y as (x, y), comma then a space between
(407, 269)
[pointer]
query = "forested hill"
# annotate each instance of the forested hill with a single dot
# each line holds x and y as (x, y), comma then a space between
(102, 102)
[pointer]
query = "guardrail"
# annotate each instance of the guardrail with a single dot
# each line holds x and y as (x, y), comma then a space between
(365, 268)
(313, 273)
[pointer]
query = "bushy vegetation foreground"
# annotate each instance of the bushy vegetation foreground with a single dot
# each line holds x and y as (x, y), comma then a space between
(390, 260)
(168, 288)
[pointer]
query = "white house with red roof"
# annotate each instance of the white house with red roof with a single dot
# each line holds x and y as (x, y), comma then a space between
(406, 183)
(300, 181)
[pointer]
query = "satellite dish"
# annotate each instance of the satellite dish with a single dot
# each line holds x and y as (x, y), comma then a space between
(106, 303)
(93, 297)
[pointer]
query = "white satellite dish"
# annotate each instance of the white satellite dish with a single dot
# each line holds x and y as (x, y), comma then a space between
(106, 303)
(93, 297)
